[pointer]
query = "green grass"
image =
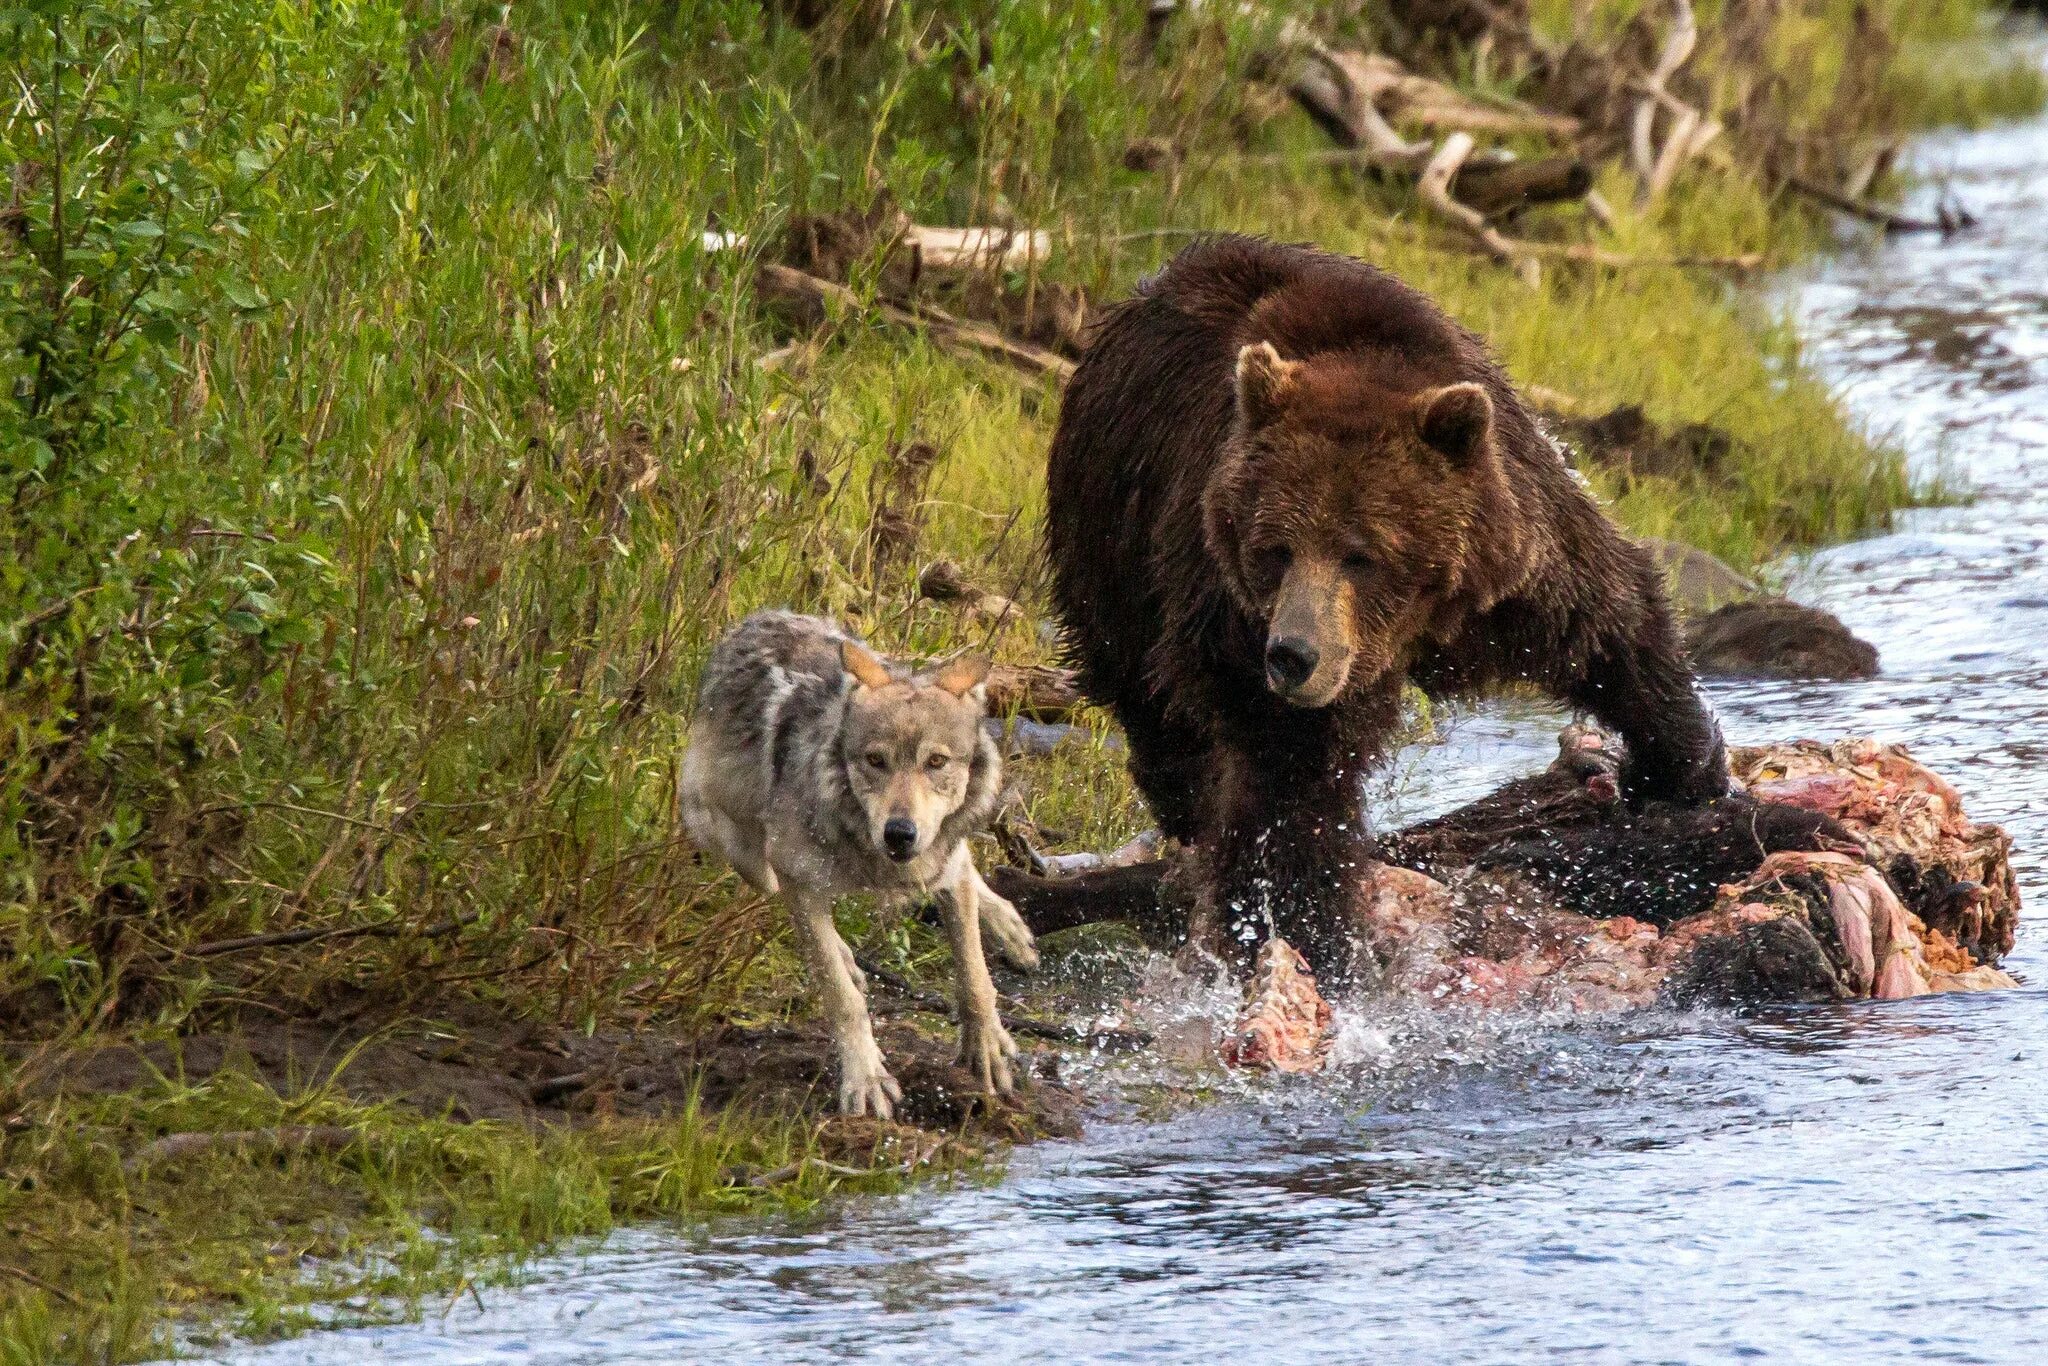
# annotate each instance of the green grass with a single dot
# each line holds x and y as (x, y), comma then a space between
(417, 1212)
(381, 449)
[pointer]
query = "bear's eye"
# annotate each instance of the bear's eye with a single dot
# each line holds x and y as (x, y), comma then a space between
(938, 761)
(1357, 562)
(1271, 563)
(877, 759)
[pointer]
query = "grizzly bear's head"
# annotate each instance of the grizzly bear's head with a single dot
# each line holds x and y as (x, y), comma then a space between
(1343, 512)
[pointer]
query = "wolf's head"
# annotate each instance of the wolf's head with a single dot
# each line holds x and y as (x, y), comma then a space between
(914, 753)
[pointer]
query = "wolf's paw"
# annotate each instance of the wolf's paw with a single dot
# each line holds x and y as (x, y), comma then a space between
(987, 1050)
(866, 1088)
(846, 956)
(1007, 931)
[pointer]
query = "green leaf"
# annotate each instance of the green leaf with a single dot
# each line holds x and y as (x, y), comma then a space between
(244, 295)
(248, 623)
(141, 227)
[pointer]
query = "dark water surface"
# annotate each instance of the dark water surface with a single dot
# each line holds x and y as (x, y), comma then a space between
(1846, 1184)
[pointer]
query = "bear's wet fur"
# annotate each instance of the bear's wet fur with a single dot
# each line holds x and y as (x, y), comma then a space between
(1283, 484)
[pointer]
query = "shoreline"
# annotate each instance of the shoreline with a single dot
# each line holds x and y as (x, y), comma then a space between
(430, 1199)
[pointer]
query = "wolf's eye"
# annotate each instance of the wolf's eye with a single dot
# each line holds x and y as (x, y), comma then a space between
(938, 761)
(877, 759)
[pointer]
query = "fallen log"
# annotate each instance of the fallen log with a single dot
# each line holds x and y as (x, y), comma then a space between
(812, 298)
(1350, 94)
(1946, 220)
(1038, 691)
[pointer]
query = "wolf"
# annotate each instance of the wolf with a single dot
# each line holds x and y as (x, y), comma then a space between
(817, 769)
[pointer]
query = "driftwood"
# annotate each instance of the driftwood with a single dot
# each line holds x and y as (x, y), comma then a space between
(1433, 186)
(288, 938)
(812, 298)
(1947, 219)
(1037, 691)
(1688, 134)
(1361, 89)
(1461, 185)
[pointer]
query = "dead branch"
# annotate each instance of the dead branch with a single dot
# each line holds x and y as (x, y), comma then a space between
(1654, 166)
(285, 1138)
(811, 296)
(284, 938)
(55, 1292)
(1492, 183)
(1621, 260)
(976, 248)
(1947, 220)
(1411, 98)
(1331, 87)
(1434, 187)
(1038, 691)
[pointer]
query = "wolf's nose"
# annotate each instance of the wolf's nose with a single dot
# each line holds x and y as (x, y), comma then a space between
(899, 837)
(1289, 662)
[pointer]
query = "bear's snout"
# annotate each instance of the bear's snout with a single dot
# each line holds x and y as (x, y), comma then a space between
(1290, 661)
(1311, 640)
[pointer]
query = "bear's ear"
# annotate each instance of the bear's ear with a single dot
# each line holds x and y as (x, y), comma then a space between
(1263, 380)
(867, 670)
(1455, 420)
(962, 676)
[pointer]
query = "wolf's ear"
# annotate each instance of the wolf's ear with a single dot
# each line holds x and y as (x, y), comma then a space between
(867, 670)
(962, 676)
(1263, 379)
(1455, 420)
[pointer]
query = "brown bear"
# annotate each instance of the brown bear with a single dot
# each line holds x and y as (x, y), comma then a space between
(1284, 483)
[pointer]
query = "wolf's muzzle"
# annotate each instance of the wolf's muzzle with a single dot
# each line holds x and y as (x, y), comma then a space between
(899, 837)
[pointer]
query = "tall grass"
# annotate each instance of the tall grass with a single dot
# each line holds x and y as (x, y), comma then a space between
(387, 443)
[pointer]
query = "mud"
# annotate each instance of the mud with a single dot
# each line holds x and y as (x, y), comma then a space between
(475, 1066)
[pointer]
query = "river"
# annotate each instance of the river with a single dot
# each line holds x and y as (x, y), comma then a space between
(1859, 1183)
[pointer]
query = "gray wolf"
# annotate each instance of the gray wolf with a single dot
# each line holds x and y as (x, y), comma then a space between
(816, 769)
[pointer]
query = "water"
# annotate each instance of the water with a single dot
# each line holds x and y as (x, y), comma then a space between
(1858, 1183)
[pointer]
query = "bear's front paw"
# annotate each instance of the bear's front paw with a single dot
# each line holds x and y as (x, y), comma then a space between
(987, 1050)
(1696, 785)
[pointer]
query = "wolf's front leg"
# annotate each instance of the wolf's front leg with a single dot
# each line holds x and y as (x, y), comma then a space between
(1004, 927)
(865, 1086)
(985, 1046)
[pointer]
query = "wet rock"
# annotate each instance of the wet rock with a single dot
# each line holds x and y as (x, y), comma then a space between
(1774, 638)
(1698, 582)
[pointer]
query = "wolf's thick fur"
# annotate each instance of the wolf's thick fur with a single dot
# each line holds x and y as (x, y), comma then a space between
(817, 770)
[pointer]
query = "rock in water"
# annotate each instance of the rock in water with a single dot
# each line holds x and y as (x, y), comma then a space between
(1285, 1024)
(1774, 638)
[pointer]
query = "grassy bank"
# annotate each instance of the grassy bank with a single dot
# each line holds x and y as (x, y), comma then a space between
(383, 443)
